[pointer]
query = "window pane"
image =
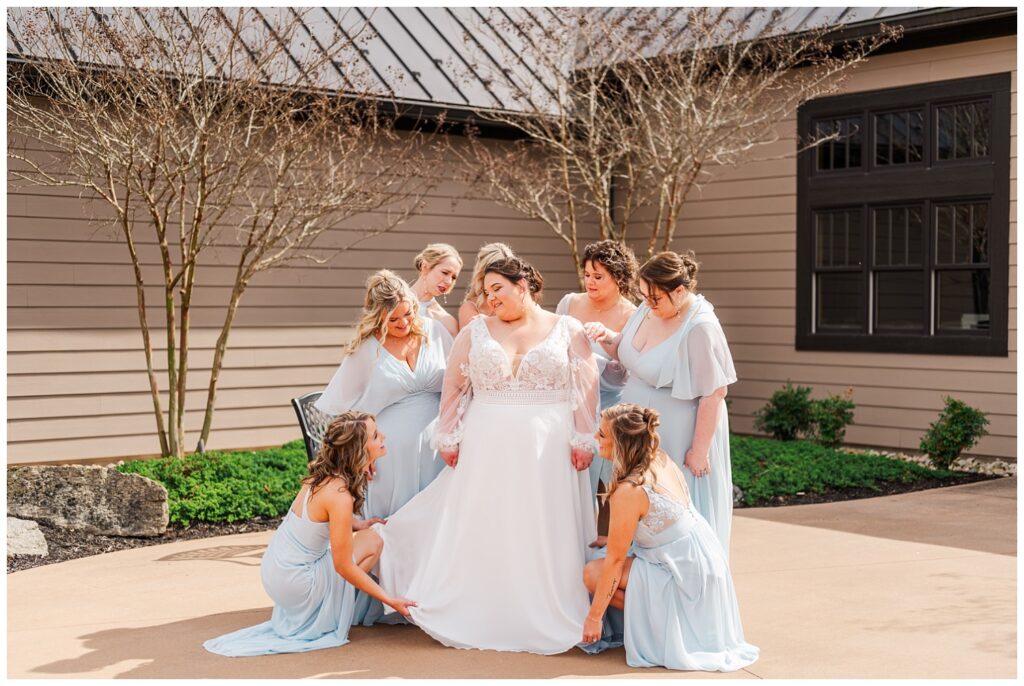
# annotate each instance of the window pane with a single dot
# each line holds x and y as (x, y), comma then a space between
(899, 301)
(883, 140)
(838, 238)
(963, 299)
(899, 137)
(844, 151)
(963, 131)
(897, 236)
(840, 298)
(961, 233)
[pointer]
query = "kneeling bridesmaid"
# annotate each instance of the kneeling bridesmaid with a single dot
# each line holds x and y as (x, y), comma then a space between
(665, 567)
(315, 563)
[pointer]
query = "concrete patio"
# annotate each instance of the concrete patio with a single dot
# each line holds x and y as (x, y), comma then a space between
(919, 585)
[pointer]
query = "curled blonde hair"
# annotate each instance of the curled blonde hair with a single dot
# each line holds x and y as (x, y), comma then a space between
(485, 257)
(385, 291)
(343, 455)
(635, 442)
(431, 255)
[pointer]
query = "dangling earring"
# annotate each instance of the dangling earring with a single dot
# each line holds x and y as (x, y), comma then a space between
(444, 297)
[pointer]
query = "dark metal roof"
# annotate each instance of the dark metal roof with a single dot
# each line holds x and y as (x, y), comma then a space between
(465, 57)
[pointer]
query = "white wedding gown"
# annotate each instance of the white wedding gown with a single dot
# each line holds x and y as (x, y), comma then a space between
(493, 550)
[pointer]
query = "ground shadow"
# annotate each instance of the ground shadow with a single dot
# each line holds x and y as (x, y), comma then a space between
(174, 650)
(249, 555)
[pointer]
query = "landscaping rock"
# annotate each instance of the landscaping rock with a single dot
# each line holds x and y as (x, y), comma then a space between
(737, 496)
(93, 499)
(25, 538)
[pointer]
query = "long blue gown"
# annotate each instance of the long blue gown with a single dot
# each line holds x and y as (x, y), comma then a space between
(671, 378)
(613, 379)
(680, 610)
(313, 604)
(406, 405)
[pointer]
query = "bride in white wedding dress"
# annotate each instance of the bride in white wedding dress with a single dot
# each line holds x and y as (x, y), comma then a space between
(493, 550)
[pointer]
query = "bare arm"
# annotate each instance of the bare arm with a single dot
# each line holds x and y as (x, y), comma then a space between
(466, 313)
(441, 315)
(338, 504)
(628, 505)
(609, 340)
(708, 408)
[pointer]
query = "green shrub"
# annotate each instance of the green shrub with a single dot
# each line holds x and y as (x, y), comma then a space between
(764, 468)
(227, 486)
(830, 417)
(786, 414)
(958, 428)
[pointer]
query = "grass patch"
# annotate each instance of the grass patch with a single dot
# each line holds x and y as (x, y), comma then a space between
(765, 468)
(227, 486)
(240, 485)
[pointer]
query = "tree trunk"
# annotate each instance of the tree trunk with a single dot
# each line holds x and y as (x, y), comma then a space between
(219, 351)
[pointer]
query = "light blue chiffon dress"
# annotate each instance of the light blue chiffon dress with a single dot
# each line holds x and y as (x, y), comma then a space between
(313, 604)
(680, 610)
(406, 405)
(613, 379)
(405, 402)
(671, 378)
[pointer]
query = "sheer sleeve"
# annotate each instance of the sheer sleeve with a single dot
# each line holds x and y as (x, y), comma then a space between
(585, 389)
(349, 382)
(563, 305)
(710, 361)
(455, 395)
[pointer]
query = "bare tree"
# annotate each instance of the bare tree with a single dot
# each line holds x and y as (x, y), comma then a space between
(206, 128)
(633, 108)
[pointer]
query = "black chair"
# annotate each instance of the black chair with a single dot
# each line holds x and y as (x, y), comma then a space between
(312, 421)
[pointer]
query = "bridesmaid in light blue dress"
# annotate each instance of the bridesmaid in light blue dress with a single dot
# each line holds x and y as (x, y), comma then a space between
(666, 576)
(394, 369)
(609, 276)
(679, 364)
(437, 267)
(321, 554)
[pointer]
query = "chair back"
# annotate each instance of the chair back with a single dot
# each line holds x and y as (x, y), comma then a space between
(312, 421)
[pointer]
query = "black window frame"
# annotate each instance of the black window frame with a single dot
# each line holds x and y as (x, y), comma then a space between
(928, 183)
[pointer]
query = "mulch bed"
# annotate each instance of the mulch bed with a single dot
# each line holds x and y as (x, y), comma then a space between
(69, 545)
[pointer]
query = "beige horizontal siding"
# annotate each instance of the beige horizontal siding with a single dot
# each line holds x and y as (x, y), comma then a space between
(742, 225)
(77, 387)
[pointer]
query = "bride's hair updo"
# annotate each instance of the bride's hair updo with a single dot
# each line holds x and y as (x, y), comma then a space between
(517, 270)
(343, 455)
(669, 270)
(385, 291)
(634, 439)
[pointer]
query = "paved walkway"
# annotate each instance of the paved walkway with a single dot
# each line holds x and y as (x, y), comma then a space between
(918, 585)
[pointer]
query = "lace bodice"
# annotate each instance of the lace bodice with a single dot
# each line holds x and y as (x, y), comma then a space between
(560, 367)
(544, 367)
(663, 512)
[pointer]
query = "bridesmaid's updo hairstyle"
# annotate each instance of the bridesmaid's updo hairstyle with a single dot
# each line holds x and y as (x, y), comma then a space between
(634, 439)
(431, 255)
(343, 455)
(385, 291)
(487, 255)
(618, 259)
(669, 270)
(517, 270)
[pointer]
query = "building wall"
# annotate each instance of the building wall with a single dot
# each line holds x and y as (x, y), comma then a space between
(77, 387)
(742, 226)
